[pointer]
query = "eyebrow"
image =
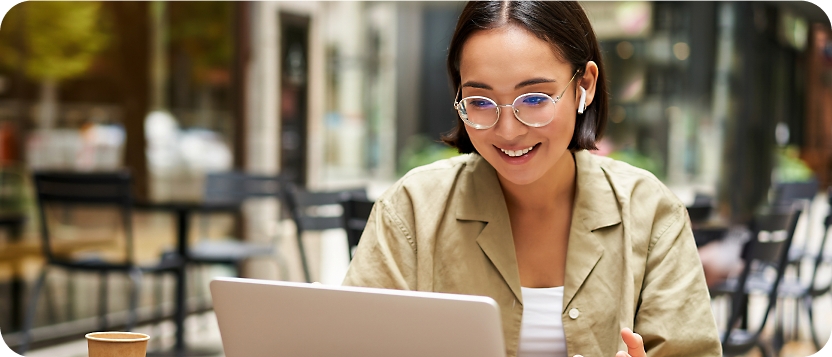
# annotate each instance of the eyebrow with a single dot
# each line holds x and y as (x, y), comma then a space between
(525, 83)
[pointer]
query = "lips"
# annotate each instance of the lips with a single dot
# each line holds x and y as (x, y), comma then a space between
(518, 153)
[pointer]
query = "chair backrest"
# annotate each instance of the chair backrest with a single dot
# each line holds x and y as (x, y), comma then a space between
(758, 254)
(700, 210)
(235, 187)
(313, 211)
(354, 219)
(224, 187)
(699, 214)
(788, 192)
(75, 189)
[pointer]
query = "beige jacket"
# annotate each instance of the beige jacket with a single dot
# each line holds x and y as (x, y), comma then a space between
(631, 258)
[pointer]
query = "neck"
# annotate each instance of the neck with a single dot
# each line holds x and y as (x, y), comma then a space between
(555, 188)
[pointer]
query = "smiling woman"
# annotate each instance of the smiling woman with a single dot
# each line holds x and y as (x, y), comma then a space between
(579, 251)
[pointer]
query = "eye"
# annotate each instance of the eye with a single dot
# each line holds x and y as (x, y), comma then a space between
(534, 100)
(480, 104)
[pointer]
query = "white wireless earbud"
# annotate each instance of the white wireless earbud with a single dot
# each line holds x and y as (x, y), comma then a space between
(582, 105)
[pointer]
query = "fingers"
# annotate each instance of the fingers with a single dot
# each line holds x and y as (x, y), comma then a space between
(634, 342)
(622, 354)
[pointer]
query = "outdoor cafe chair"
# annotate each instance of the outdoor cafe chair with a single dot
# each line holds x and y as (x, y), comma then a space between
(232, 188)
(66, 192)
(805, 293)
(312, 211)
(800, 193)
(235, 188)
(761, 257)
(356, 212)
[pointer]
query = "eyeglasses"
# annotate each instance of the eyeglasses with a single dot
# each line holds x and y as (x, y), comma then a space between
(533, 109)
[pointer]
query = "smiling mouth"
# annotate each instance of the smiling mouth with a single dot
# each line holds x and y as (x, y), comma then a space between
(518, 153)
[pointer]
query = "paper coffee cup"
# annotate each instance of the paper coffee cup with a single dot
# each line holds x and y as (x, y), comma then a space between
(117, 344)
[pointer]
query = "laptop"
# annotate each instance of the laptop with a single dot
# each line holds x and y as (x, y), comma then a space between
(276, 318)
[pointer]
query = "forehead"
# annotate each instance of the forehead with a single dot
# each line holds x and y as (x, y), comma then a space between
(508, 53)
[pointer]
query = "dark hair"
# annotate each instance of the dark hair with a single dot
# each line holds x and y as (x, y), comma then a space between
(564, 25)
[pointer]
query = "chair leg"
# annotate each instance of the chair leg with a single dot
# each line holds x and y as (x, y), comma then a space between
(158, 296)
(30, 312)
(51, 303)
(198, 275)
(796, 326)
(136, 280)
(808, 302)
(303, 262)
(102, 301)
(70, 296)
(795, 335)
(778, 339)
(200, 294)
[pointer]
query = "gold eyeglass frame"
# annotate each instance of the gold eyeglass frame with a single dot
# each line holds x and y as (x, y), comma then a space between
(464, 116)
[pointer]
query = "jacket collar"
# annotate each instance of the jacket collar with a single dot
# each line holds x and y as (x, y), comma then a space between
(595, 207)
(483, 200)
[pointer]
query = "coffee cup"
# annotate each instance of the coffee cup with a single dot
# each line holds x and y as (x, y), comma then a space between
(117, 344)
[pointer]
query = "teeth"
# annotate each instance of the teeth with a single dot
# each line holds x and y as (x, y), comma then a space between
(516, 153)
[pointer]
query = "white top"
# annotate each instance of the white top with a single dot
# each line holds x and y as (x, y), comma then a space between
(541, 330)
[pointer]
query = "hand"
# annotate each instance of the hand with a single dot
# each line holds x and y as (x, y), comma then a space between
(635, 345)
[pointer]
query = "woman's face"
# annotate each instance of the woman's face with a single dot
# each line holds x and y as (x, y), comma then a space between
(501, 64)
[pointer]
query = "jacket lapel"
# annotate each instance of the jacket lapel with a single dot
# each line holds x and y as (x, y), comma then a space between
(482, 200)
(595, 207)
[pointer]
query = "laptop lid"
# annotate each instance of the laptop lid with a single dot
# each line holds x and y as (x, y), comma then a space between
(275, 318)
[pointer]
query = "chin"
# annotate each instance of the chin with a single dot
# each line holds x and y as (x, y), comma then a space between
(520, 177)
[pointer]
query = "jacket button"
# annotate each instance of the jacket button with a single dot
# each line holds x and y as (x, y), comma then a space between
(574, 313)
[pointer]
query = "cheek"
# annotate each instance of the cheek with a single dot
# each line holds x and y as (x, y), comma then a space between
(567, 128)
(476, 137)
(559, 132)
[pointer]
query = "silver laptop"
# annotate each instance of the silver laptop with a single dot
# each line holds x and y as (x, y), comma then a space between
(272, 318)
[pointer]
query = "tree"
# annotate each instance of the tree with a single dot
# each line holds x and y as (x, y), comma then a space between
(60, 40)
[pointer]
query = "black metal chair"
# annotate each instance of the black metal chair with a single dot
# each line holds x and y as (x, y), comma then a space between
(806, 293)
(237, 187)
(68, 191)
(356, 213)
(760, 256)
(310, 212)
(796, 193)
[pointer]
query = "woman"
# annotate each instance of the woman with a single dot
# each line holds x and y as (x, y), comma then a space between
(579, 251)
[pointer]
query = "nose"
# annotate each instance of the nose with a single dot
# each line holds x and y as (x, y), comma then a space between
(508, 127)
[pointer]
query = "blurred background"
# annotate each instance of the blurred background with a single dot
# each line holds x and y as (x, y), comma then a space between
(723, 100)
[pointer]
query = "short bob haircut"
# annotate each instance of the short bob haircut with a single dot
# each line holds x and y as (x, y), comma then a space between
(564, 25)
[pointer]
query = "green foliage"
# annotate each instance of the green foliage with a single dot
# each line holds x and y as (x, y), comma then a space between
(639, 160)
(420, 150)
(61, 38)
(790, 168)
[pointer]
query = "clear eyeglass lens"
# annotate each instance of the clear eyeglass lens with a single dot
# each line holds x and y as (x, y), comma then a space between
(535, 108)
(480, 110)
(532, 108)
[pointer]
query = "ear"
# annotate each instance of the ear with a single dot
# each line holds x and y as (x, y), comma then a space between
(590, 77)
